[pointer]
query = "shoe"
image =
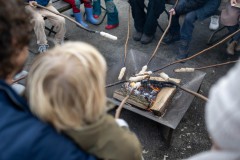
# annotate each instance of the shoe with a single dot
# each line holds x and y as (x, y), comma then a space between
(171, 37)
(231, 47)
(111, 26)
(96, 16)
(214, 24)
(237, 48)
(42, 48)
(89, 17)
(146, 39)
(78, 18)
(137, 36)
(183, 50)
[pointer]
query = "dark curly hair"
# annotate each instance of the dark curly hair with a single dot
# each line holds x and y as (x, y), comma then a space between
(14, 34)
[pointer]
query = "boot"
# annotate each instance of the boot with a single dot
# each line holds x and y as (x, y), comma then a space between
(237, 48)
(137, 36)
(171, 37)
(78, 18)
(96, 8)
(90, 18)
(145, 39)
(231, 47)
(183, 49)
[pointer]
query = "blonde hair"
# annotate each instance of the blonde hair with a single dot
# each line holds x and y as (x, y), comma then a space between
(66, 86)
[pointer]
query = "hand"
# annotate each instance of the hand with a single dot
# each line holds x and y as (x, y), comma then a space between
(33, 3)
(172, 11)
(233, 2)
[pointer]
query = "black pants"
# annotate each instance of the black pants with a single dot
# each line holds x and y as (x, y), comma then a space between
(146, 22)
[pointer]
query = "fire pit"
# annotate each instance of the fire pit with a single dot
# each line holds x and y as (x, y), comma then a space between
(153, 95)
(178, 104)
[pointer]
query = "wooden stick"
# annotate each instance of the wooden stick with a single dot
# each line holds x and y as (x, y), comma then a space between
(19, 79)
(188, 69)
(199, 53)
(119, 109)
(164, 33)
(217, 65)
(104, 34)
(123, 70)
(191, 92)
(160, 41)
(167, 78)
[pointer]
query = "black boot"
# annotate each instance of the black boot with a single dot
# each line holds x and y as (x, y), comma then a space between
(183, 49)
(171, 37)
(137, 36)
(146, 39)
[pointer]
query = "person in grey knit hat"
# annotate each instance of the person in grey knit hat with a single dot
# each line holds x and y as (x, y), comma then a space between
(223, 119)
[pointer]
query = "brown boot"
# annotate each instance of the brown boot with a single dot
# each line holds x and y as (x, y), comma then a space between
(237, 48)
(231, 47)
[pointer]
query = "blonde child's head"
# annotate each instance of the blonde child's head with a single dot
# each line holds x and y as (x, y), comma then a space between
(66, 86)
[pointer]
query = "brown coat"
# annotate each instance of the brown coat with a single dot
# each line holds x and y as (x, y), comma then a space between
(106, 140)
(230, 15)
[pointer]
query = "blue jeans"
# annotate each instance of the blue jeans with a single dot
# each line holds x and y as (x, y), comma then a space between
(188, 25)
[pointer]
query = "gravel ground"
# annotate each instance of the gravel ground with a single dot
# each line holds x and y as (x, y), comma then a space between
(190, 137)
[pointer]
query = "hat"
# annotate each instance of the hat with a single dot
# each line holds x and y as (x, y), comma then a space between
(223, 111)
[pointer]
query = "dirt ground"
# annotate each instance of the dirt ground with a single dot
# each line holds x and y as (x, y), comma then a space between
(190, 137)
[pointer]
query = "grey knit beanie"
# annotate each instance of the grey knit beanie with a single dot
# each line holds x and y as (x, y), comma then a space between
(223, 111)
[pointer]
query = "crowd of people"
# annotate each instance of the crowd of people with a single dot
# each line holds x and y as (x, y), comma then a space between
(63, 113)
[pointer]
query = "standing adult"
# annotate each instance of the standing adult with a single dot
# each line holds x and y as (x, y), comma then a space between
(193, 10)
(38, 15)
(23, 136)
(146, 23)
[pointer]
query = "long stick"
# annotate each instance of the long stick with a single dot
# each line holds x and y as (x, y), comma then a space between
(128, 33)
(19, 79)
(191, 92)
(160, 41)
(119, 109)
(199, 53)
(188, 69)
(217, 65)
(164, 33)
(104, 34)
(122, 71)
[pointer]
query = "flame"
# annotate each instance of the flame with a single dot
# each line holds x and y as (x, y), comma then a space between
(155, 88)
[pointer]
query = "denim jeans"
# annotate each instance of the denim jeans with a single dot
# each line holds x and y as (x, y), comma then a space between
(187, 27)
(188, 24)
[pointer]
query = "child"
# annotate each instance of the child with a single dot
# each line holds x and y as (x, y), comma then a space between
(112, 13)
(66, 88)
(77, 14)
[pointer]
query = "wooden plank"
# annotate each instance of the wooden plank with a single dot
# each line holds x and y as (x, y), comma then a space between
(132, 100)
(62, 6)
(162, 100)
